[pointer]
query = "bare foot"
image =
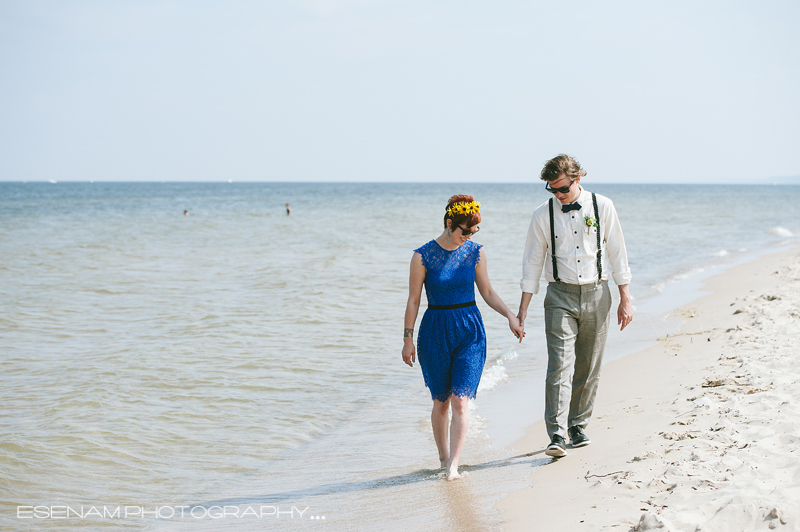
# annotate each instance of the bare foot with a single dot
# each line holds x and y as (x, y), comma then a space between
(444, 464)
(452, 474)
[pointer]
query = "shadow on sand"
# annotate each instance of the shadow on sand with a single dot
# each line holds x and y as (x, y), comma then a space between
(380, 483)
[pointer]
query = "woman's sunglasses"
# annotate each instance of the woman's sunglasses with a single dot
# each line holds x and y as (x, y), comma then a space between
(467, 232)
(563, 190)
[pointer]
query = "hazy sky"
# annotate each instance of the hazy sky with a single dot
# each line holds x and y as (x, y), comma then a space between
(398, 90)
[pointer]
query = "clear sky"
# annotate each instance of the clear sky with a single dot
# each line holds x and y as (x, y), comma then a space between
(398, 90)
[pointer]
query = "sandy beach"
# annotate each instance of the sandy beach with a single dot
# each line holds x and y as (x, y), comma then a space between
(697, 433)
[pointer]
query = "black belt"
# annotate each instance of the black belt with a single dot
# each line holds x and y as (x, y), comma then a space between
(448, 307)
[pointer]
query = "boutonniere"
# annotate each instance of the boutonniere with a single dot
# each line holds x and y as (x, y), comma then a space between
(590, 222)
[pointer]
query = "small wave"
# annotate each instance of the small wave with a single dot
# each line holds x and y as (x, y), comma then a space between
(780, 231)
(661, 285)
(492, 376)
(510, 356)
(721, 253)
(691, 273)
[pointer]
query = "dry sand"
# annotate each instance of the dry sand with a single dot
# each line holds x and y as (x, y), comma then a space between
(698, 433)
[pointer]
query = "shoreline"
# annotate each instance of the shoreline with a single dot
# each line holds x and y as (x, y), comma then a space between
(681, 428)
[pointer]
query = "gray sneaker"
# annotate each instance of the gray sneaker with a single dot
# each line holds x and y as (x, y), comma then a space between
(557, 447)
(578, 437)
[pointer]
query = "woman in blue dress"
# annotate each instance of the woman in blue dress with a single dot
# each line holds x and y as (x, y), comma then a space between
(451, 343)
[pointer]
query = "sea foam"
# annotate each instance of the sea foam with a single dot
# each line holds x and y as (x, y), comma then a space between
(496, 373)
(780, 231)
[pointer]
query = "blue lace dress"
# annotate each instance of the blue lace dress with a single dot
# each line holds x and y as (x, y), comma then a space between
(451, 344)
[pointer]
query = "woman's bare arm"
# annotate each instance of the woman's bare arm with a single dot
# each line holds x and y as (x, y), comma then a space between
(416, 278)
(492, 298)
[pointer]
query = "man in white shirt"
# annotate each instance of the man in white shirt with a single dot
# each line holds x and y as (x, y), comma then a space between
(578, 301)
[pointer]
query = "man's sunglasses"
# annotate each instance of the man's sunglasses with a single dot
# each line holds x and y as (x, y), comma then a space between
(563, 190)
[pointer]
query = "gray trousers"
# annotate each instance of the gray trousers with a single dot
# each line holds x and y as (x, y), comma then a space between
(576, 324)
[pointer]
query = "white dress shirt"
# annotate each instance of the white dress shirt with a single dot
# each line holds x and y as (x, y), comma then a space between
(576, 245)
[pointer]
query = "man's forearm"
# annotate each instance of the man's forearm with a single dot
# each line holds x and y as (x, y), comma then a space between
(624, 293)
(525, 300)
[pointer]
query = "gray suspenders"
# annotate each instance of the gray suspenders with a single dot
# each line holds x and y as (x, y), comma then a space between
(553, 241)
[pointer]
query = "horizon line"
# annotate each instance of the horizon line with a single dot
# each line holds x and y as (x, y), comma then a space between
(793, 180)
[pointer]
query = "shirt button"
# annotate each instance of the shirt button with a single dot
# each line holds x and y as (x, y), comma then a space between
(577, 247)
(578, 260)
(575, 232)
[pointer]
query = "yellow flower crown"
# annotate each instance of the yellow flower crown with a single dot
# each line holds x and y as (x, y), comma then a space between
(464, 208)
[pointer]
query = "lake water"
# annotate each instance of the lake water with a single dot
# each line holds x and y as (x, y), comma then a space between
(241, 368)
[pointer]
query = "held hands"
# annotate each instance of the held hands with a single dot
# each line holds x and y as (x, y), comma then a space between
(523, 313)
(515, 324)
(409, 353)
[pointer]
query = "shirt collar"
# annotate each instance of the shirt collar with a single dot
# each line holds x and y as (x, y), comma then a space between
(581, 197)
(584, 193)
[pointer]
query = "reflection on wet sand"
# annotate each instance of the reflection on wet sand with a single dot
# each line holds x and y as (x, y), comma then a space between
(380, 483)
(461, 507)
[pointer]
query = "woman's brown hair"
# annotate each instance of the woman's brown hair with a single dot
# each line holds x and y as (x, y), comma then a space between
(462, 220)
